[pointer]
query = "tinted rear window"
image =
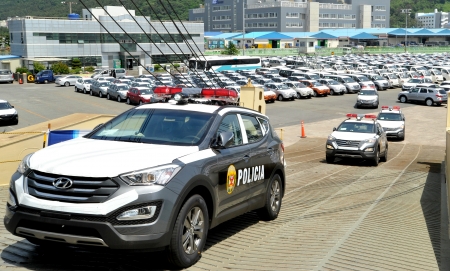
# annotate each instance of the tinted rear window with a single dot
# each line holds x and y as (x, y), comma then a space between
(120, 71)
(441, 91)
(5, 72)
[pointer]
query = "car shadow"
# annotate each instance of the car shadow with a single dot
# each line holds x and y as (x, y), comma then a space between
(58, 257)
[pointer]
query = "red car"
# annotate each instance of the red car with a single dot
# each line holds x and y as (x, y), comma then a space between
(139, 95)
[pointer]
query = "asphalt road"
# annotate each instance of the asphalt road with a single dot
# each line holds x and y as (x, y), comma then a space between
(38, 103)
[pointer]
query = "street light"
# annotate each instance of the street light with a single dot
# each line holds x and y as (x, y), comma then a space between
(407, 12)
(70, 5)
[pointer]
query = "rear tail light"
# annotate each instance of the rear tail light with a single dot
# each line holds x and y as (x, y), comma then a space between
(439, 95)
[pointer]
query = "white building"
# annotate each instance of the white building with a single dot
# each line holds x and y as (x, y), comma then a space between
(432, 20)
(104, 42)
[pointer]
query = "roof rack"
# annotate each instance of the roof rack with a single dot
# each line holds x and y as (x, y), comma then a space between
(390, 108)
(219, 96)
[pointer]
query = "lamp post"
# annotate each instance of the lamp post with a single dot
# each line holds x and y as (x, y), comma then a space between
(243, 27)
(407, 12)
(70, 5)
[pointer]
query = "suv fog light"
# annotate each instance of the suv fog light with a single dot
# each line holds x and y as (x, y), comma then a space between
(11, 200)
(139, 213)
(330, 147)
(369, 149)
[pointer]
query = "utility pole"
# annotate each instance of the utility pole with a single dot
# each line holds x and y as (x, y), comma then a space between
(407, 12)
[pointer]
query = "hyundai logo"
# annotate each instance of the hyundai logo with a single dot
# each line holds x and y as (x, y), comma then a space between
(63, 183)
(348, 142)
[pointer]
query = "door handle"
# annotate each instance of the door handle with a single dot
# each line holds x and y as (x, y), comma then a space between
(246, 157)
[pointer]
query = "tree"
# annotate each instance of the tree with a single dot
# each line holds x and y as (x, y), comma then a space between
(38, 66)
(76, 63)
(60, 68)
(230, 50)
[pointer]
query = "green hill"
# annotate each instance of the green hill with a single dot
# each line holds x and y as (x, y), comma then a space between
(54, 8)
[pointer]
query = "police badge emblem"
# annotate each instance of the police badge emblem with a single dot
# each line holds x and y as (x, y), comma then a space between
(231, 179)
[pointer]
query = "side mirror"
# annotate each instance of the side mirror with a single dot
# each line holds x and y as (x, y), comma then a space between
(12, 106)
(334, 129)
(223, 140)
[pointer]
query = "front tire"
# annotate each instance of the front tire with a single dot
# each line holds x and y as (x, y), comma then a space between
(384, 158)
(84, 90)
(299, 96)
(119, 99)
(280, 97)
(128, 101)
(376, 159)
(67, 84)
(403, 99)
(331, 92)
(330, 159)
(274, 195)
(100, 95)
(108, 97)
(189, 233)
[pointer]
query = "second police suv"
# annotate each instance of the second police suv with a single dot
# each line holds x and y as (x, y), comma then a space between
(157, 176)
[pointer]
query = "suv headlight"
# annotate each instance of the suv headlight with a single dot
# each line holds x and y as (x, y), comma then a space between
(331, 138)
(158, 175)
(24, 164)
(370, 140)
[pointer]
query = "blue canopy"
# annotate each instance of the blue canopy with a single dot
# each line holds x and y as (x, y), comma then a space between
(364, 36)
(399, 31)
(275, 36)
(324, 36)
(211, 34)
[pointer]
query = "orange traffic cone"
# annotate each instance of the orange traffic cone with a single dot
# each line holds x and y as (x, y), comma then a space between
(303, 130)
(20, 80)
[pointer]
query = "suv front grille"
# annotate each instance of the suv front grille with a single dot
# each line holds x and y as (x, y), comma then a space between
(347, 143)
(111, 218)
(83, 189)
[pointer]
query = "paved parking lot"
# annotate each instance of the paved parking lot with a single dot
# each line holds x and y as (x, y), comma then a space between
(345, 216)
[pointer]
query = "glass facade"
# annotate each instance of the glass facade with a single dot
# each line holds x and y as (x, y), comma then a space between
(106, 38)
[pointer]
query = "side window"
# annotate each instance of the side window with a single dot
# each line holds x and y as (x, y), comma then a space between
(252, 128)
(423, 90)
(264, 124)
(230, 123)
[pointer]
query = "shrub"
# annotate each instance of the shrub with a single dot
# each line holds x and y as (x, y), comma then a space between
(22, 70)
(60, 68)
(77, 71)
(158, 67)
(89, 69)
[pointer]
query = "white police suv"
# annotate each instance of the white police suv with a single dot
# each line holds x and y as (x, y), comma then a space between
(392, 120)
(157, 176)
(359, 136)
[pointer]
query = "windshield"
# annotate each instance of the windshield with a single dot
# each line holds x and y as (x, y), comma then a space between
(88, 81)
(377, 77)
(122, 88)
(389, 116)
(316, 84)
(392, 76)
(427, 80)
(314, 76)
(357, 127)
(283, 86)
(160, 126)
(368, 92)
(104, 84)
(333, 82)
(414, 80)
(437, 72)
(348, 80)
(5, 106)
(363, 79)
(426, 73)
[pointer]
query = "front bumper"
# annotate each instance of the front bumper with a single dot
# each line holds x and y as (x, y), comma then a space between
(394, 133)
(367, 103)
(98, 230)
(350, 152)
(8, 118)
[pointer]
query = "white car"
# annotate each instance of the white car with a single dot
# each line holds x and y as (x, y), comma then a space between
(7, 113)
(302, 90)
(393, 121)
(68, 80)
(282, 91)
(367, 98)
(84, 84)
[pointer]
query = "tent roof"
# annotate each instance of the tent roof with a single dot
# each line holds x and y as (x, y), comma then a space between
(323, 35)
(224, 36)
(364, 36)
(4, 57)
(252, 35)
(275, 36)
(399, 31)
(212, 34)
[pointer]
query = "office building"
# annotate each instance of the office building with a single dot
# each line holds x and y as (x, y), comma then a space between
(290, 16)
(432, 20)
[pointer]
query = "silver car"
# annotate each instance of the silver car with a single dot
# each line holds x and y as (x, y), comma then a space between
(302, 90)
(334, 86)
(117, 92)
(69, 80)
(367, 98)
(6, 76)
(84, 84)
(99, 88)
(283, 92)
(428, 95)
